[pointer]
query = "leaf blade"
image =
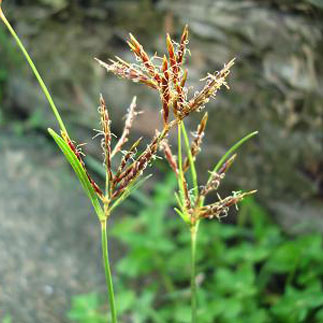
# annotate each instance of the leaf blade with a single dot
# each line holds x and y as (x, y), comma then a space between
(79, 171)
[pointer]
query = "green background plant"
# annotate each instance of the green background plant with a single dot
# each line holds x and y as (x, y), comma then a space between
(250, 271)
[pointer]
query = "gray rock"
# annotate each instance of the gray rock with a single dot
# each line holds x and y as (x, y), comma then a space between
(49, 235)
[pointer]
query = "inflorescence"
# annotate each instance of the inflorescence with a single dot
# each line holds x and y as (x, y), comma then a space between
(168, 77)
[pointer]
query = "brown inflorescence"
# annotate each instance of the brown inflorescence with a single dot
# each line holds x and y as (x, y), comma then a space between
(165, 91)
(213, 83)
(126, 130)
(169, 79)
(220, 209)
(169, 156)
(216, 177)
(140, 53)
(106, 140)
(128, 71)
(196, 144)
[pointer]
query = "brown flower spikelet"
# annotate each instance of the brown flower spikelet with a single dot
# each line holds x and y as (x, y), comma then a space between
(139, 52)
(169, 156)
(196, 144)
(165, 95)
(128, 124)
(106, 141)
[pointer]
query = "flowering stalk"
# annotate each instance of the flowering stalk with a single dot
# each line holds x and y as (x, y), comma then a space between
(108, 275)
(75, 157)
(194, 230)
(168, 79)
(191, 206)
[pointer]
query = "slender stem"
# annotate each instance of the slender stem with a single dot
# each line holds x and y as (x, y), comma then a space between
(107, 269)
(179, 143)
(194, 229)
(191, 160)
(180, 164)
(35, 71)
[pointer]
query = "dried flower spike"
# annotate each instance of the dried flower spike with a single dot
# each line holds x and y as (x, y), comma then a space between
(128, 71)
(128, 124)
(169, 156)
(196, 144)
(106, 140)
(140, 53)
(182, 46)
(213, 84)
(220, 209)
(165, 92)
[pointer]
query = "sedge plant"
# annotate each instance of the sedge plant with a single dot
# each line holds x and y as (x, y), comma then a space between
(120, 182)
(191, 201)
(166, 76)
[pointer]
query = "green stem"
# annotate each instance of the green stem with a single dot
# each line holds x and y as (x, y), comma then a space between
(180, 164)
(35, 71)
(191, 161)
(194, 229)
(107, 269)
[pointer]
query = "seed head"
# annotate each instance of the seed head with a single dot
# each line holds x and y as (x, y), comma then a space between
(128, 155)
(196, 144)
(227, 164)
(128, 124)
(165, 92)
(220, 208)
(182, 45)
(140, 53)
(213, 84)
(169, 156)
(128, 71)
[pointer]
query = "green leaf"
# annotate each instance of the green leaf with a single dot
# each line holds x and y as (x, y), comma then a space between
(239, 283)
(126, 300)
(86, 309)
(233, 149)
(191, 160)
(246, 252)
(284, 258)
(295, 305)
(79, 171)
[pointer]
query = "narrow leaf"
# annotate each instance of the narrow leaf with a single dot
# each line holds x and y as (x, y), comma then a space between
(233, 149)
(79, 171)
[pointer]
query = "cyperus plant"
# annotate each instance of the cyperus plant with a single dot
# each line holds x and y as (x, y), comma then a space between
(168, 78)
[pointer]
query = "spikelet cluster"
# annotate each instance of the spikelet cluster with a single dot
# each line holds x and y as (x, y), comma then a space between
(168, 78)
(193, 203)
(131, 164)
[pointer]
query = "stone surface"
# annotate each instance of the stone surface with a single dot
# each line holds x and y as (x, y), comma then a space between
(49, 235)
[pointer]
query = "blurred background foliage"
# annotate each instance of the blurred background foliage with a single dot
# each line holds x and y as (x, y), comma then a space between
(265, 267)
(250, 271)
